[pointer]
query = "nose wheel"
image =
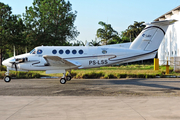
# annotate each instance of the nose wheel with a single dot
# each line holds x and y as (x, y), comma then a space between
(7, 79)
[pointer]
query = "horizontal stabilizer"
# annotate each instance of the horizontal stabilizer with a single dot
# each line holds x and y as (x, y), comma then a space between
(164, 22)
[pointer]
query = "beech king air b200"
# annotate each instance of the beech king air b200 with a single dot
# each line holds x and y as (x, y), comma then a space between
(60, 59)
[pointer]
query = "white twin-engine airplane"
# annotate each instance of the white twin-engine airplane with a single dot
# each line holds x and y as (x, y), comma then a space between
(59, 59)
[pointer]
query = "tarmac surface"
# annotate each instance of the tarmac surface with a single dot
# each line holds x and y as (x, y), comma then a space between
(90, 99)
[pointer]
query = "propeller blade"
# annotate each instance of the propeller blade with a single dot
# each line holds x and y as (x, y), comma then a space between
(15, 66)
(14, 52)
(12, 65)
(15, 59)
(26, 49)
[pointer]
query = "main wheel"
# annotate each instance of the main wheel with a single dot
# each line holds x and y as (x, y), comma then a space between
(62, 80)
(68, 78)
(7, 79)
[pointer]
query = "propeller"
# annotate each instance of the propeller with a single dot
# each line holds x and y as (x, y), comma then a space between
(14, 52)
(26, 49)
(16, 61)
(13, 61)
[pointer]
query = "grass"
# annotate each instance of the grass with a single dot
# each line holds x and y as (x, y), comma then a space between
(123, 71)
(18, 74)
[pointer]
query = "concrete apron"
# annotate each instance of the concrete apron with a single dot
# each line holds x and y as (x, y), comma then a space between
(89, 108)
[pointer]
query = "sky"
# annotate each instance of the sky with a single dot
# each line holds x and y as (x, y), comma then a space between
(119, 13)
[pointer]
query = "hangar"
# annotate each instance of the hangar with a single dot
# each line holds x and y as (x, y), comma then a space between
(170, 46)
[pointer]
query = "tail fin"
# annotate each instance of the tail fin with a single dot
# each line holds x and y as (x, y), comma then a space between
(152, 35)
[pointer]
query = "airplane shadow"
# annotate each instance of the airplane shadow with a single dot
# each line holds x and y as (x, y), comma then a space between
(145, 82)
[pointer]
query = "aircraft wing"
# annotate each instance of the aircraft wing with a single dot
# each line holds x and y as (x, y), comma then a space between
(60, 62)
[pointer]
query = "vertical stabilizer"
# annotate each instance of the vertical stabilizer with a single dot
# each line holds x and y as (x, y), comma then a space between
(152, 35)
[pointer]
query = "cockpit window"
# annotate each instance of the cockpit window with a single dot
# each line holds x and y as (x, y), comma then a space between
(32, 51)
(39, 51)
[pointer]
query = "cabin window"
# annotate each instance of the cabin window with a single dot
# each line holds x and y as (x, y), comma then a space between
(61, 51)
(39, 51)
(54, 51)
(74, 51)
(80, 51)
(67, 51)
(104, 51)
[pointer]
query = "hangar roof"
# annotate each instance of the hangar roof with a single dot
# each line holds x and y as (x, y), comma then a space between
(166, 15)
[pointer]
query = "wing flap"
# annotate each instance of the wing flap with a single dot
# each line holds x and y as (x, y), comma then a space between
(58, 61)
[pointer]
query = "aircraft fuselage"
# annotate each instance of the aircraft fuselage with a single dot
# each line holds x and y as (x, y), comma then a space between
(87, 57)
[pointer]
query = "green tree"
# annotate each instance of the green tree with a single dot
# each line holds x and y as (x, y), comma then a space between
(17, 34)
(50, 22)
(106, 33)
(95, 43)
(124, 38)
(133, 30)
(11, 31)
(5, 12)
(78, 43)
(115, 40)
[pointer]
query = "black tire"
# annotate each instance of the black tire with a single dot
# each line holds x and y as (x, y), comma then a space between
(62, 80)
(68, 78)
(7, 79)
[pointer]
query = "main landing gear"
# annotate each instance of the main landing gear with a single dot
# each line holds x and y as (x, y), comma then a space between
(7, 78)
(65, 78)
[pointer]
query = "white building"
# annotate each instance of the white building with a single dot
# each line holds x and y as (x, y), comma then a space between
(170, 46)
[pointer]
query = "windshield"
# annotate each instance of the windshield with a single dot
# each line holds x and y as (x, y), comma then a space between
(32, 51)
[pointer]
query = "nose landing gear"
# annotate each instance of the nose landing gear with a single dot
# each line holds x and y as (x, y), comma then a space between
(7, 78)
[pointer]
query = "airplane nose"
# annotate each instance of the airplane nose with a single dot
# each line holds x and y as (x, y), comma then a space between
(6, 62)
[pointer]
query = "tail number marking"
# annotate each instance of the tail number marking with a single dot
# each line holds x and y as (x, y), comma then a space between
(98, 62)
